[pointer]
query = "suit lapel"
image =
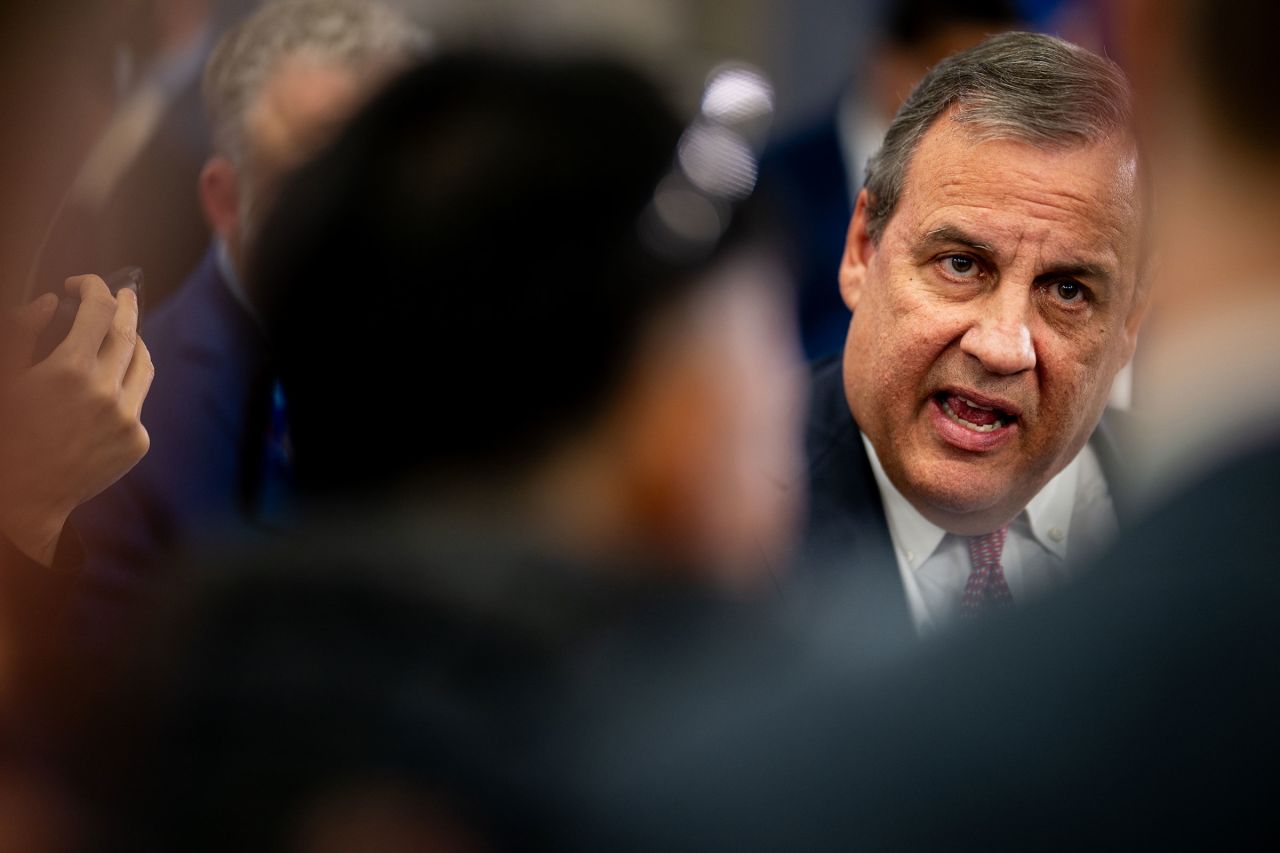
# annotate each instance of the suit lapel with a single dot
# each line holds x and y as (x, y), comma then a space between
(219, 340)
(847, 538)
(1109, 441)
(224, 356)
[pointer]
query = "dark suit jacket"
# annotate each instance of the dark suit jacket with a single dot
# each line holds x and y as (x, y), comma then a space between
(806, 179)
(205, 406)
(846, 530)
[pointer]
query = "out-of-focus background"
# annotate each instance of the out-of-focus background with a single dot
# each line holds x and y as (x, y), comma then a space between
(811, 48)
(107, 131)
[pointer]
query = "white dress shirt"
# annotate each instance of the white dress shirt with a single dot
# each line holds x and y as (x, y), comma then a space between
(1071, 518)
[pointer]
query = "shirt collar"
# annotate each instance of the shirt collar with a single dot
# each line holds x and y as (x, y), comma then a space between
(916, 536)
(1048, 514)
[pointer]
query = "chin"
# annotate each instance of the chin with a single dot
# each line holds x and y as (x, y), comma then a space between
(957, 489)
(954, 503)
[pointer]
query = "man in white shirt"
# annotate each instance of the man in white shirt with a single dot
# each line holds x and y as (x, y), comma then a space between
(994, 268)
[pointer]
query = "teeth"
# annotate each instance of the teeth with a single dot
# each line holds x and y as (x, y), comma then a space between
(946, 408)
(969, 402)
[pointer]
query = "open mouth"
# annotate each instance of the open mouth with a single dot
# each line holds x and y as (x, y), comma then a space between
(973, 415)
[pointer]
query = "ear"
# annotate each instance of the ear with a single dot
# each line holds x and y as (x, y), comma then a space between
(220, 197)
(858, 251)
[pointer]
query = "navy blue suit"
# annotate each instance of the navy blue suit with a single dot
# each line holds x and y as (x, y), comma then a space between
(205, 415)
(806, 178)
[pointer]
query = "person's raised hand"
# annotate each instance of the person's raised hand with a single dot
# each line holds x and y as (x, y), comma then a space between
(70, 425)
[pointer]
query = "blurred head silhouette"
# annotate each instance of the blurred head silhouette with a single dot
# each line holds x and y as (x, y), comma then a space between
(1204, 80)
(504, 289)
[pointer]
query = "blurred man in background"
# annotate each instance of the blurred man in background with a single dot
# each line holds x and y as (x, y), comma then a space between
(996, 269)
(494, 523)
(276, 88)
(816, 175)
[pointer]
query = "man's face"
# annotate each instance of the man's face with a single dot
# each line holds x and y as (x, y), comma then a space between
(301, 107)
(991, 318)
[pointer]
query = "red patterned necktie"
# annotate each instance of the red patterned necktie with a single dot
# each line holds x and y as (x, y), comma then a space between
(986, 589)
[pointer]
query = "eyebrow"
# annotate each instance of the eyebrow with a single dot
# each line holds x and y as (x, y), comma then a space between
(1072, 268)
(1078, 269)
(951, 234)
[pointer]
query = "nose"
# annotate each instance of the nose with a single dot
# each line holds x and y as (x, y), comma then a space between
(1000, 337)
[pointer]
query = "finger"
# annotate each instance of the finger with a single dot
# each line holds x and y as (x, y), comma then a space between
(24, 327)
(117, 350)
(93, 320)
(137, 380)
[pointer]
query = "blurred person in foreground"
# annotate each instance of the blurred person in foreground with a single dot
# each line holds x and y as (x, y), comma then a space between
(996, 275)
(1137, 709)
(815, 175)
(276, 88)
(542, 389)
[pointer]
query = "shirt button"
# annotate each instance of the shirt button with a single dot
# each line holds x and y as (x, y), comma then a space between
(911, 557)
(1056, 534)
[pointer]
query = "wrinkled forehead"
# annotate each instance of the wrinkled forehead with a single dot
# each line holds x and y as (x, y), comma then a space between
(1077, 197)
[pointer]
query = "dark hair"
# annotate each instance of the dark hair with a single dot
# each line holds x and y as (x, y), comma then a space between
(912, 22)
(460, 280)
(1231, 45)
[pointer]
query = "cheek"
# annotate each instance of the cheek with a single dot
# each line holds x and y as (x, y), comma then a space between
(923, 318)
(901, 337)
(1075, 379)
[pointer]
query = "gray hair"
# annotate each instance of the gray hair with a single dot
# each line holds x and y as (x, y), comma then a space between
(1033, 88)
(347, 33)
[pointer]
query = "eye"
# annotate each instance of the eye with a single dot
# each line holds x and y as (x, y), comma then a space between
(1069, 291)
(960, 266)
